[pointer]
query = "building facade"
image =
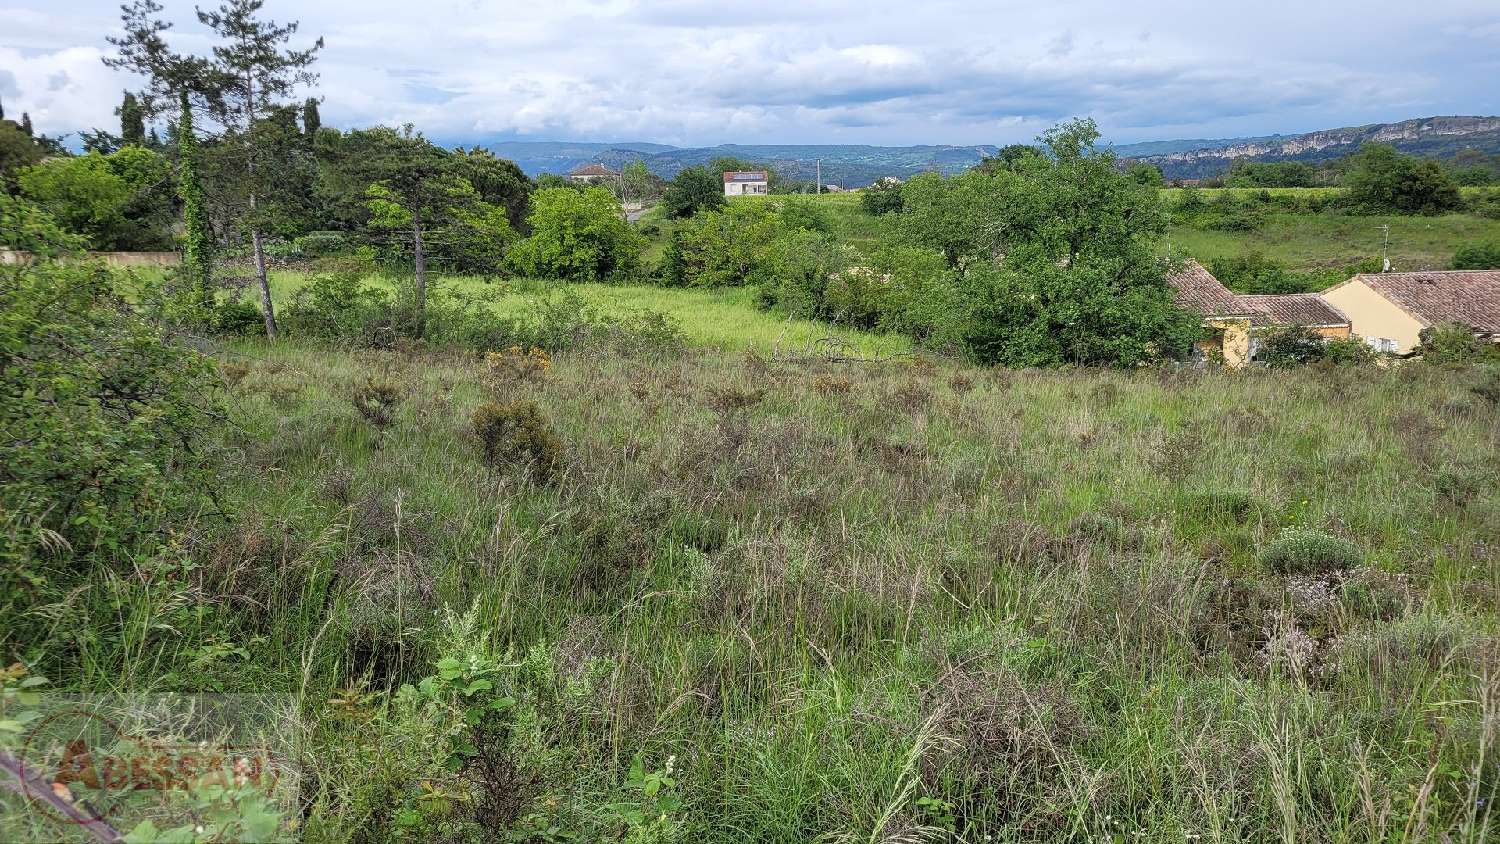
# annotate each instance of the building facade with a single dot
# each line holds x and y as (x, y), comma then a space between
(746, 182)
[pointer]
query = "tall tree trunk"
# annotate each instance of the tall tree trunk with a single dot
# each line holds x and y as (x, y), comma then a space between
(196, 257)
(419, 269)
(257, 243)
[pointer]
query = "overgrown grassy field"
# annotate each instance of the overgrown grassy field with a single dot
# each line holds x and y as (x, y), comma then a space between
(1303, 241)
(1307, 242)
(725, 319)
(875, 602)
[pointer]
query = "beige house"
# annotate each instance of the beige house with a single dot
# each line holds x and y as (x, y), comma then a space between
(1390, 310)
(593, 174)
(1228, 320)
(1305, 310)
(747, 182)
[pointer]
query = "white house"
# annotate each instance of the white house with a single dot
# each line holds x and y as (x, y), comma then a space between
(746, 182)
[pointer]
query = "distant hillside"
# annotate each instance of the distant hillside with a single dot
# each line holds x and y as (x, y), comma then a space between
(846, 165)
(1433, 137)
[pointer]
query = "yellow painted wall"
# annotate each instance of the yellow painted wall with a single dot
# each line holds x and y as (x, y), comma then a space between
(1232, 340)
(1373, 315)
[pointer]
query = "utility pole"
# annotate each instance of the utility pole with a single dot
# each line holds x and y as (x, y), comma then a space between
(1385, 249)
(820, 175)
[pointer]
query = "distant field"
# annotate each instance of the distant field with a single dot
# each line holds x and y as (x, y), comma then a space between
(1174, 194)
(725, 319)
(1307, 242)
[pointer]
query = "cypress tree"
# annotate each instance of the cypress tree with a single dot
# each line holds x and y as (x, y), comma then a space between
(132, 122)
(26, 124)
(196, 260)
(311, 120)
(2, 109)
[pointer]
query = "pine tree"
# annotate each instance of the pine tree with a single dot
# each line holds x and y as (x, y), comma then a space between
(132, 121)
(311, 120)
(197, 261)
(26, 124)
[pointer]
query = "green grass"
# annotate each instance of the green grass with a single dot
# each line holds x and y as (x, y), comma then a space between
(1307, 242)
(723, 319)
(1036, 601)
(1173, 195)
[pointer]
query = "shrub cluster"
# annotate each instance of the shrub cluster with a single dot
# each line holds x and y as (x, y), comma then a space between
(1299, 551)
(516, 434)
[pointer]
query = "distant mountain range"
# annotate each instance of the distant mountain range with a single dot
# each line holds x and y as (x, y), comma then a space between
(1431, 137)
(853, 165)
(846, 165)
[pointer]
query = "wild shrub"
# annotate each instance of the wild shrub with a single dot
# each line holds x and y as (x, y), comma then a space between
(1477, 256)
(504, 370)
(578, 235)
(237, 318)
(1302, 551)
(1488, 385)
(1346, 351)
(1288, 346)
(338, 306)
(1234, 506)
(1458, 485)
(103, 420)
(376, 401)
(832, 385)
(1452, 343)
(516, 434)
(730, 400)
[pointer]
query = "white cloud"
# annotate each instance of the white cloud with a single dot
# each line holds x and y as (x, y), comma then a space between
(816, 70)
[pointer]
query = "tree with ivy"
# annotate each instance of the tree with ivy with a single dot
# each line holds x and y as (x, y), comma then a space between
(197, 258)
(132, 121)
(311, 120)
(241, 83)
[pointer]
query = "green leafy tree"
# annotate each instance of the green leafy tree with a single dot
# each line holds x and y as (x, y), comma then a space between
(960, 216)
(1382, 180)
(1056, 257)
(639, 183)
(1270, 174)
(1145, 173)
(576, 236)
(691, 191)
(882, 197)
(249, 71)
(132, 121)
(498, 181)
(82, 193)
(1008, 157)
(413, 187)
(17, 151)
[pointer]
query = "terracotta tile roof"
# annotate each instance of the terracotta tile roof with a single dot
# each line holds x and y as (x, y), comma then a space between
(1198, 291)
(746, 176)
(1470, 297)
(593, 170)
(1305, 309)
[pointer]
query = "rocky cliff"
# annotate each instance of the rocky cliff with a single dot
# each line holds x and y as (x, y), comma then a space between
(1423, 136)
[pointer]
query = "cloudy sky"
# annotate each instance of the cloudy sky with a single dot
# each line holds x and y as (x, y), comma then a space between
(820, 71)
